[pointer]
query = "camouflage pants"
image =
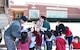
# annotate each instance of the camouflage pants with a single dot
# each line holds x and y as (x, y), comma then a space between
(9, 43)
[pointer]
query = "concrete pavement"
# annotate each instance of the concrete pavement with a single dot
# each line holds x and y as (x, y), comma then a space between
(74, 27)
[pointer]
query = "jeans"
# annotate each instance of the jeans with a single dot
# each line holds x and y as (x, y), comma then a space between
(9, 43)
(32, 48)
(49, 45)
(38, 47)
(45, 40)
(69, 39)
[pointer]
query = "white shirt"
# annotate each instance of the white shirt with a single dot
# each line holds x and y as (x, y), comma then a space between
(26, 30)
(38, 23)
(32, 42)
(50, 39)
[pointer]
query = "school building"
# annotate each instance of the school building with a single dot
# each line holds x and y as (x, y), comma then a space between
(35, 10)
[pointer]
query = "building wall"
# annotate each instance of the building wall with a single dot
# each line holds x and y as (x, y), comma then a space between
(2, 3)
(42, 9)
(72, 12)
(11, 13)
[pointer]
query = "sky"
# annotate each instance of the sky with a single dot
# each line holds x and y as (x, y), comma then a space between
(62, 2)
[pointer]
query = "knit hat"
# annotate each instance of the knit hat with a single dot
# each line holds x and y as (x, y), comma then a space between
(24, 18)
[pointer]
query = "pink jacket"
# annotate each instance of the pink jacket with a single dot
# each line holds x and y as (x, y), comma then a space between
(24, 46)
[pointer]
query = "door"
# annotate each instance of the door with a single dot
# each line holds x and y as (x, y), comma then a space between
(17, 15)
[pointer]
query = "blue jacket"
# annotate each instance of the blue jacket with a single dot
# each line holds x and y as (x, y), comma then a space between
(14, 30)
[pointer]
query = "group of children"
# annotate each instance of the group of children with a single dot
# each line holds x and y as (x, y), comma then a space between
(33, 38)
(63, 35)
(30, 40)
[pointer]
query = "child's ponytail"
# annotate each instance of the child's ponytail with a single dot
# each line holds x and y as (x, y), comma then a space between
(24, 37)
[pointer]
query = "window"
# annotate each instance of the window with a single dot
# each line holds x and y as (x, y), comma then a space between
(56, 14)
(33, 13)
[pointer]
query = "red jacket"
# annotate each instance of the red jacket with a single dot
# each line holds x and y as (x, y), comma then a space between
(60, 44)
(76, 45)
(68, 32)
(38, 39)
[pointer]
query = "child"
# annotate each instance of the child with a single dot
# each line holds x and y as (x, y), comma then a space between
(57, 26)
(33, 38)
(38, 38)
(67, 32)
(79, 40)
(75, 44)
(69, 36)
(60, 41)
(24, 42)
(30, 30)
(49, 39)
